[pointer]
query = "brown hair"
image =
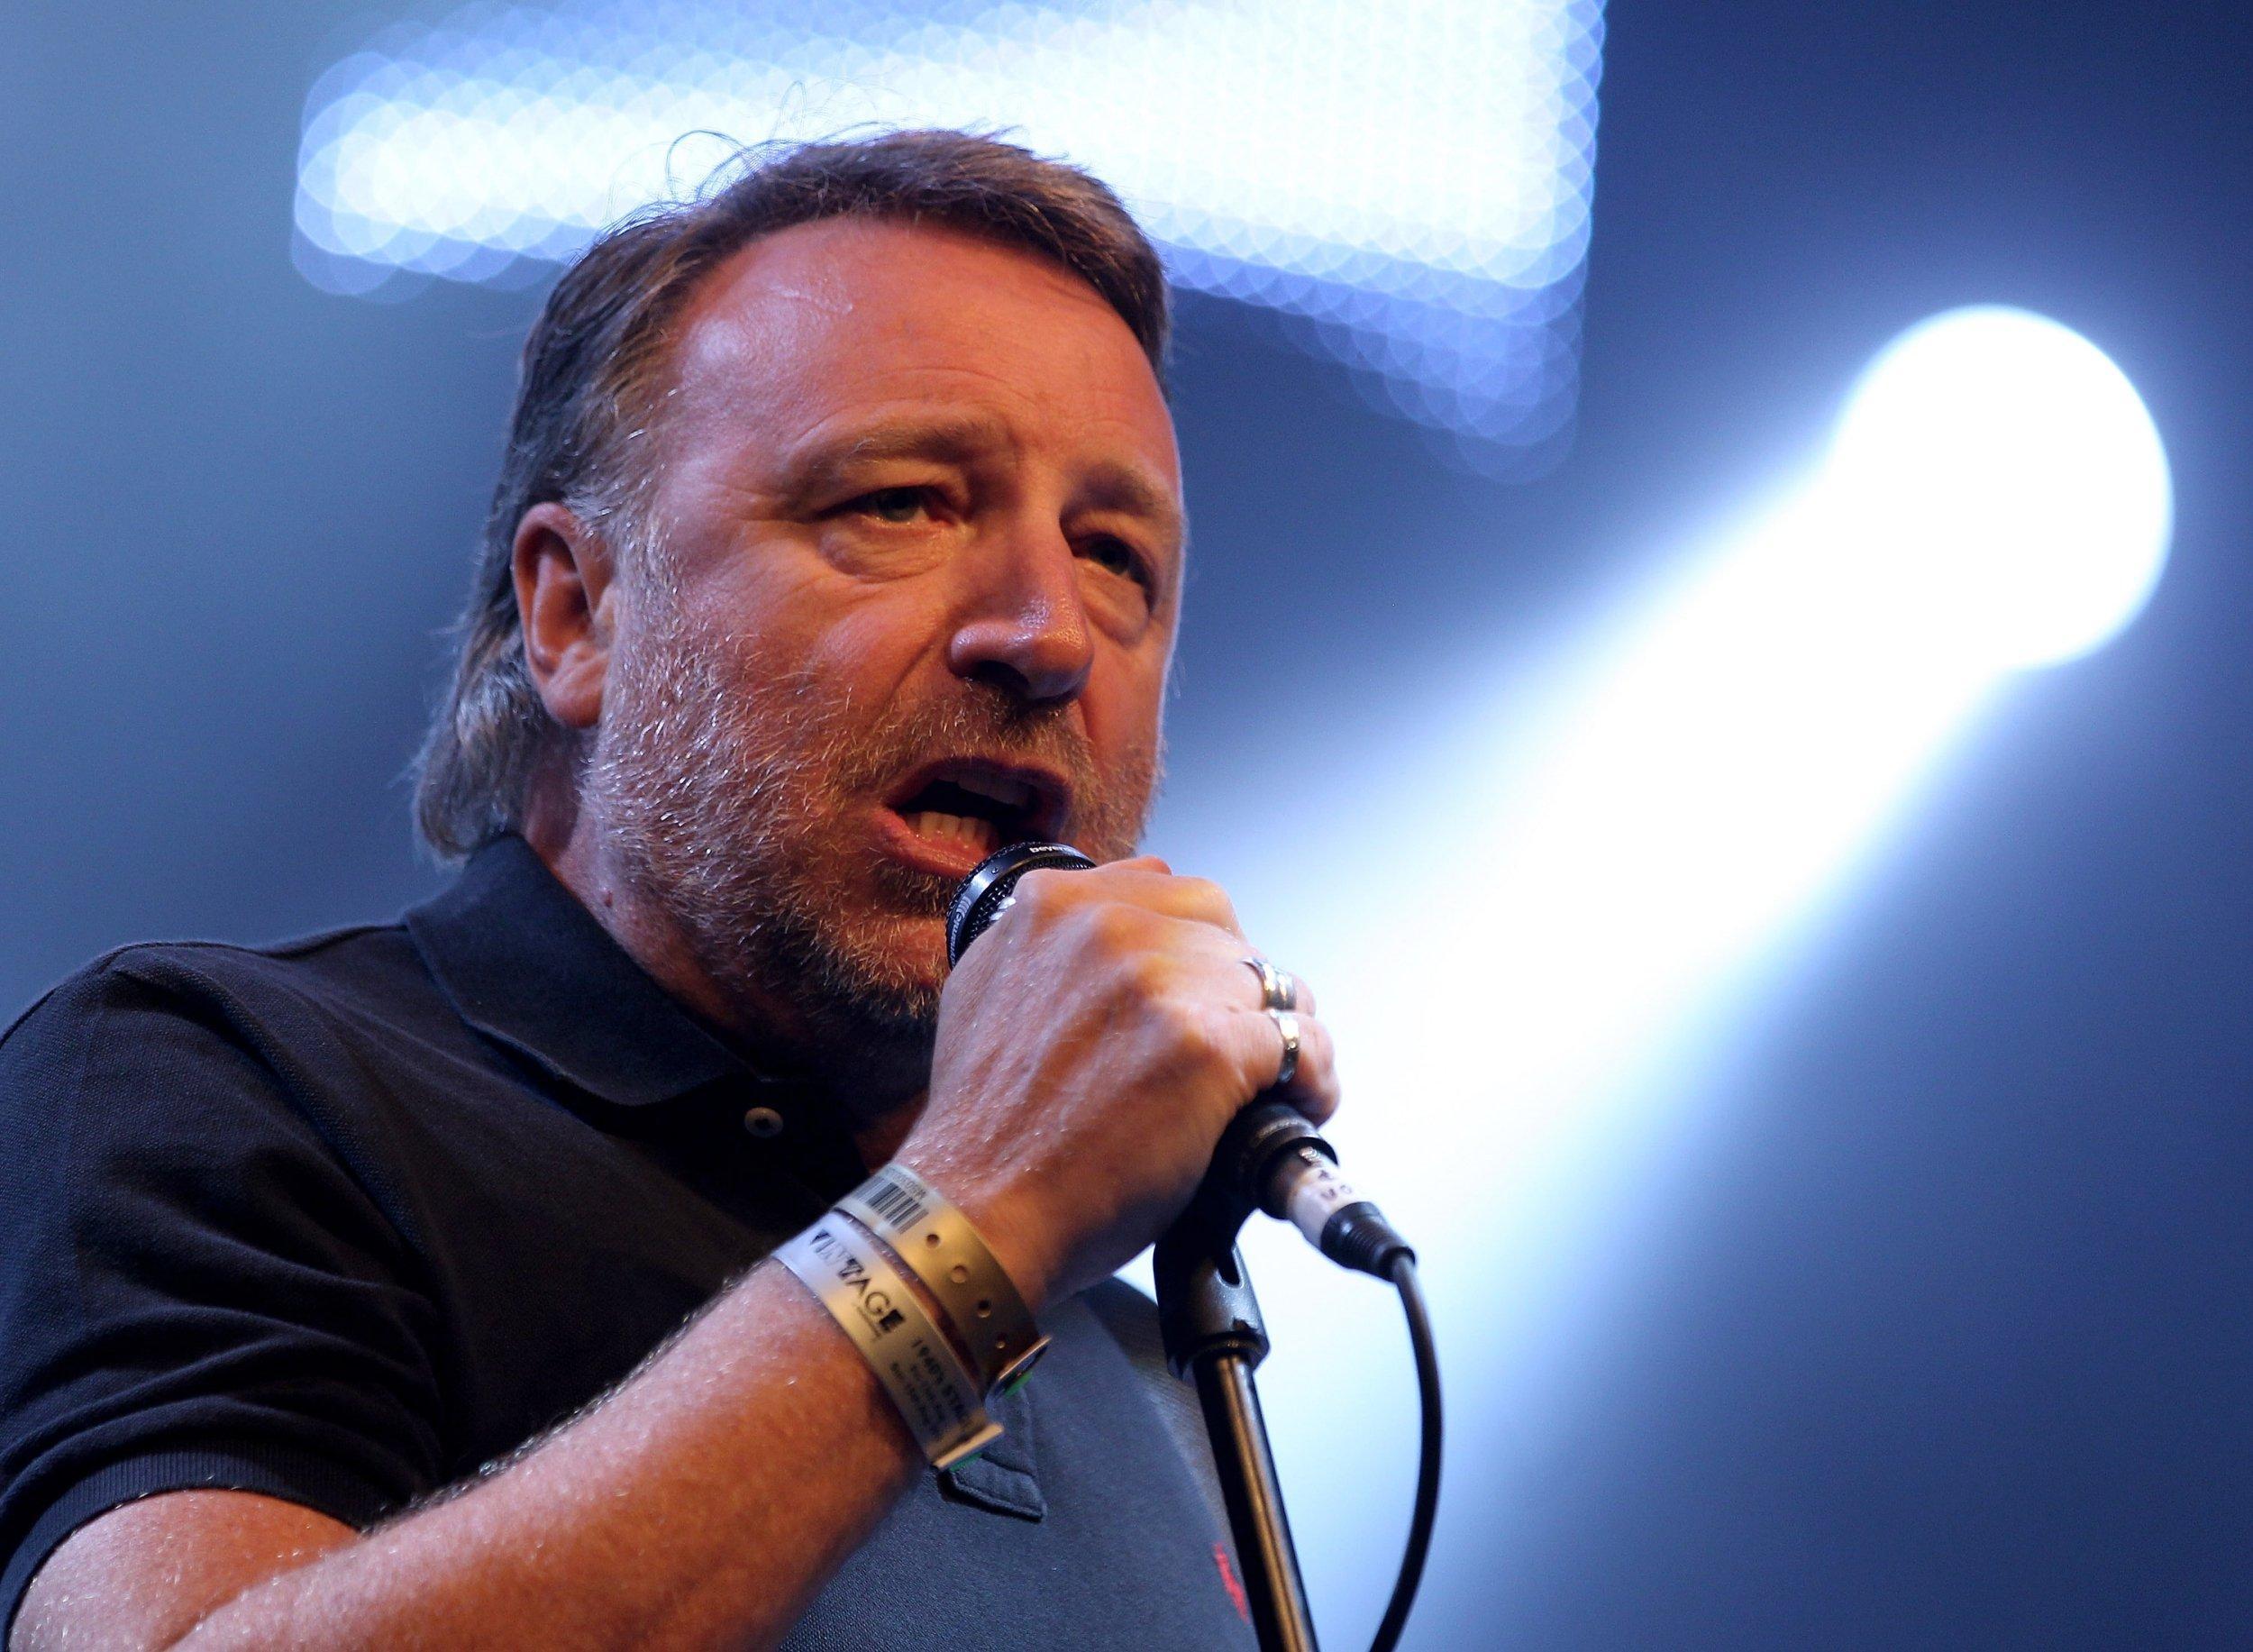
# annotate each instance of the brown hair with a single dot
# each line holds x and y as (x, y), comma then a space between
(591, 385)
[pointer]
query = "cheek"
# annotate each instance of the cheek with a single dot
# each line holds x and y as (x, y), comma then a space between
(871, 647)
(784, 623)
(1125, 705)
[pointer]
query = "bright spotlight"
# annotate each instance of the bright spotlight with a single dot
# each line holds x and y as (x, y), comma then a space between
(1611, 854)
(2004, 477)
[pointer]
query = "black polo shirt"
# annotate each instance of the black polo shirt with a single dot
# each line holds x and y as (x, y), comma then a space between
(343, 1220)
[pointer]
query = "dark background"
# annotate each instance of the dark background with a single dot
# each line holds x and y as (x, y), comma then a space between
(1940, 1338)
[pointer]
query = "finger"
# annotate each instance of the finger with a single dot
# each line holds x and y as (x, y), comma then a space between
(1313, 1088)
(1199, 900)
(1302, 994)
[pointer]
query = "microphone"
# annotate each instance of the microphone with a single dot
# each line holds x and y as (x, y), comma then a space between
(1270, 1157)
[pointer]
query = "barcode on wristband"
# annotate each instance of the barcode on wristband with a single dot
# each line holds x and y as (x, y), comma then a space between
(899, 1206)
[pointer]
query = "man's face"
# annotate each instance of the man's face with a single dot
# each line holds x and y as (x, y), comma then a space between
(908, 591)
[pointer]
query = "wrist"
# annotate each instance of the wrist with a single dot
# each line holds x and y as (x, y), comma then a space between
(997, 1214)
(850, 1272)
(943, 1251)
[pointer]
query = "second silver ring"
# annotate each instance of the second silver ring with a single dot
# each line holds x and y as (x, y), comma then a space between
(1287, 1024)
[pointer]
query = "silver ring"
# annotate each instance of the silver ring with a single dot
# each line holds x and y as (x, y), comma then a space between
(1287, 1024)
(1278, 988)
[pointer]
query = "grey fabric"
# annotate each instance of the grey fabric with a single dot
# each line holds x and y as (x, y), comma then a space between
(1174, 1401)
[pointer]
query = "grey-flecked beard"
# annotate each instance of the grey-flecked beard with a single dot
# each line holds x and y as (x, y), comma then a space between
(730, 801)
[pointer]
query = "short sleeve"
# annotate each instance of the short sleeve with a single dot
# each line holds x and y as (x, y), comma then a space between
(194, 1291)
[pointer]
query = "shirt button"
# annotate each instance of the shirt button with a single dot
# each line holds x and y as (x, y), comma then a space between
(762, 1122)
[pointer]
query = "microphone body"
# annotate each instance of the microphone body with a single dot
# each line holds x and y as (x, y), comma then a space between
(1270, 1157)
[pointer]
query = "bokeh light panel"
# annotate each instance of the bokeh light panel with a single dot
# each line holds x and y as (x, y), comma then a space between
(1406, 190)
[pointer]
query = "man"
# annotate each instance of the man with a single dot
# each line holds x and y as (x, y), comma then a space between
(343, 1283)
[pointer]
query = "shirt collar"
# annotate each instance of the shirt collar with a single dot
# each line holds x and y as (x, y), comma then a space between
(525, 964)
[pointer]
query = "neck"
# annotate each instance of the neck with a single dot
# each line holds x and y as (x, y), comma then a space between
(757, 1022)
(580, 861)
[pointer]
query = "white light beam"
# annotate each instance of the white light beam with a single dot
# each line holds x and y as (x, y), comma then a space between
(1599, 861)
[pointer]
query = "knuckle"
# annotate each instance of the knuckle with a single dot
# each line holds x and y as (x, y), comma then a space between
(1145, 976)
(1196, 1039)
(1045, 889)
(1210, 901)
(1112, 927)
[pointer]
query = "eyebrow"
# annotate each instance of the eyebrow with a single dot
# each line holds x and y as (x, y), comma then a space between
(1126, 488)
(945, 439)
(956, 438)
(1111, 484)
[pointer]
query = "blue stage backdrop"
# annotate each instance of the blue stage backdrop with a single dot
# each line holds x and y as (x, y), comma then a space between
(1856, 1018)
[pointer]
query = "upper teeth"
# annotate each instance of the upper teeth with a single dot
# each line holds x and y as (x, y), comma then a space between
(1009, 793)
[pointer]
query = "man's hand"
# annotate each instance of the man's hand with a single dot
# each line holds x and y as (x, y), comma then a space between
(1092, 1048)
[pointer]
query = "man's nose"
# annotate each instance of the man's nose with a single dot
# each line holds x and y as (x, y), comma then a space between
(1024, 627)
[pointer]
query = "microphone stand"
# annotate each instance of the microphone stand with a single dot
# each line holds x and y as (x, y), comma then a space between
(1213, 1333)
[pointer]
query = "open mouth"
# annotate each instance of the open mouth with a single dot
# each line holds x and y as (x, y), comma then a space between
(973, 809)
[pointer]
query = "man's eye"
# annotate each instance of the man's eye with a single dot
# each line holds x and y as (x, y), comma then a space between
(1115, 556)
(899, 505)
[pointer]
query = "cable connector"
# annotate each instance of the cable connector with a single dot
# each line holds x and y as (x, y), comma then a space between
(1357, 1236)
(1337, 1221)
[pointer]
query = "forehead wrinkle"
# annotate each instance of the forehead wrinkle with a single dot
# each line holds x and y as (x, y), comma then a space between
(808, 328)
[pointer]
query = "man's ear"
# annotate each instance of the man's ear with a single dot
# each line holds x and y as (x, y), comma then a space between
(563, 573)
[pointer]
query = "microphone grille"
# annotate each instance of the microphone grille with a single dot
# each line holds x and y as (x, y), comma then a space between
(979, 900)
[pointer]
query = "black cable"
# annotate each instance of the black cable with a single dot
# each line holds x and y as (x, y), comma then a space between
(1419, 1539)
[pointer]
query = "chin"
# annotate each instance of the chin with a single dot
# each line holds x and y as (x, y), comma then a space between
(916, 953)
(899, 956)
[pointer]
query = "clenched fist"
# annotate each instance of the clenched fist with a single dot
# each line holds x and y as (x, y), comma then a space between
(1091, 1047)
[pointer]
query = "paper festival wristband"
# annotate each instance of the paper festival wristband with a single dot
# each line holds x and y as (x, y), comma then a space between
(918, 1368)
(948, 1256)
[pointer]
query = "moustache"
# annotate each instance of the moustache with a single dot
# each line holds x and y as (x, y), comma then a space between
(986, 724)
